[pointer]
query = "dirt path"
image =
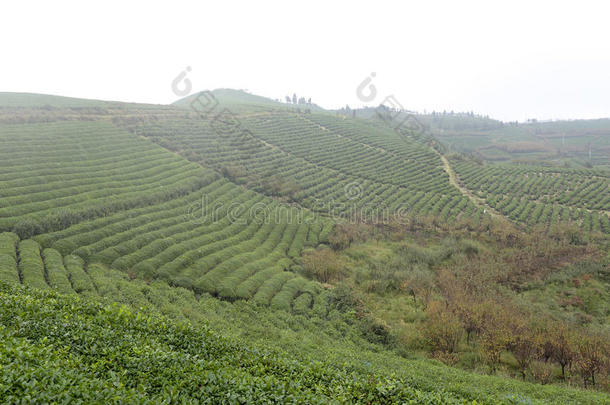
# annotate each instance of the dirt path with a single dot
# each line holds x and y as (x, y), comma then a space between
(476, 200)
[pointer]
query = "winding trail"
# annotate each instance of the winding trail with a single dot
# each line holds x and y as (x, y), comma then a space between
(476, 200)
(453, 179)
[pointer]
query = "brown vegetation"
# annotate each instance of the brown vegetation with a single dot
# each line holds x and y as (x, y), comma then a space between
(473, 297)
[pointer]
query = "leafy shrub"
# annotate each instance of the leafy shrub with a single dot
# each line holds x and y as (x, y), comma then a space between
(8, 269)
(8, 244)
(283, 299)
(302, 304)
(271, 287)
(31, 265)
(26, 228)
(320, 304)
(81, 282)
(181, 362)
(57, 274)
(322, 264)
(441, 329)
(344, 298)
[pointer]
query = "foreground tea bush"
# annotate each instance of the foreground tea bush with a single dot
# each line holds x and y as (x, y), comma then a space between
(30, 264)
(74, 350)
(56, 271)
(8, 257)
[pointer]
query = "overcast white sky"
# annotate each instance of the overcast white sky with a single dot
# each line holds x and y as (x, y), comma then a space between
(512, 60)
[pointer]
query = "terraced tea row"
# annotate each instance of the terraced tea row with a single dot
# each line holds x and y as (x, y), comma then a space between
(56, 174)
(94, 194)
(259, 274)
(542, 195)
(325, 147)
(409, 145)
(290, 156)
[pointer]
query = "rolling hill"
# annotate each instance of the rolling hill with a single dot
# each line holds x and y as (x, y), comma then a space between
(205, 219)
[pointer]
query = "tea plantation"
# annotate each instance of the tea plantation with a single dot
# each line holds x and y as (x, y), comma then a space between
(155, 254)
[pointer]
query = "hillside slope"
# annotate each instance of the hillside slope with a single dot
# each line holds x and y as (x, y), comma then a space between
(334, 166)
(78, 349)
(323, 236)
(106, 196)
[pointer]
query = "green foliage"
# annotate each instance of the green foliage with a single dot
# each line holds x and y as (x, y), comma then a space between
(283, 299)
(31, 266)
(320, 304)
(8, 244)
(8, 269)
(154, 359)
(226, 251)
(65, 354)
(540, 195)
(56, 272)
(302, 304)
(314, 159)
(81, 282)
(128, 216)
(322, 264)
(77, 171)
(270, 287)
(8, 257)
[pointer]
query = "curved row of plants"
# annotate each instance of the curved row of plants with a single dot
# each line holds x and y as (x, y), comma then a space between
(342, 177)
(541, 195)
(58, 174)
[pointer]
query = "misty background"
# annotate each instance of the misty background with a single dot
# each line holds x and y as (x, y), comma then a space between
(512, 61)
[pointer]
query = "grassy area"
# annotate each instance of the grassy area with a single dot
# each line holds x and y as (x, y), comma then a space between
(473, 299)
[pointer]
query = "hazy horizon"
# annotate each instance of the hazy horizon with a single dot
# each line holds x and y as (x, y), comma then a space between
(546, 60)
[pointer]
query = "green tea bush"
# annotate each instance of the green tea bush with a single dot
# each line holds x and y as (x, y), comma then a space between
(31, 266)
(154, 360)
(56, 272)
(270, 287)
(8, 269)
(530, 194)
(320, 304)
(283, 299)
(302, 304)
(248, 288)
(61, 186)
(300, 159)
(8, 244)
(81, 282)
